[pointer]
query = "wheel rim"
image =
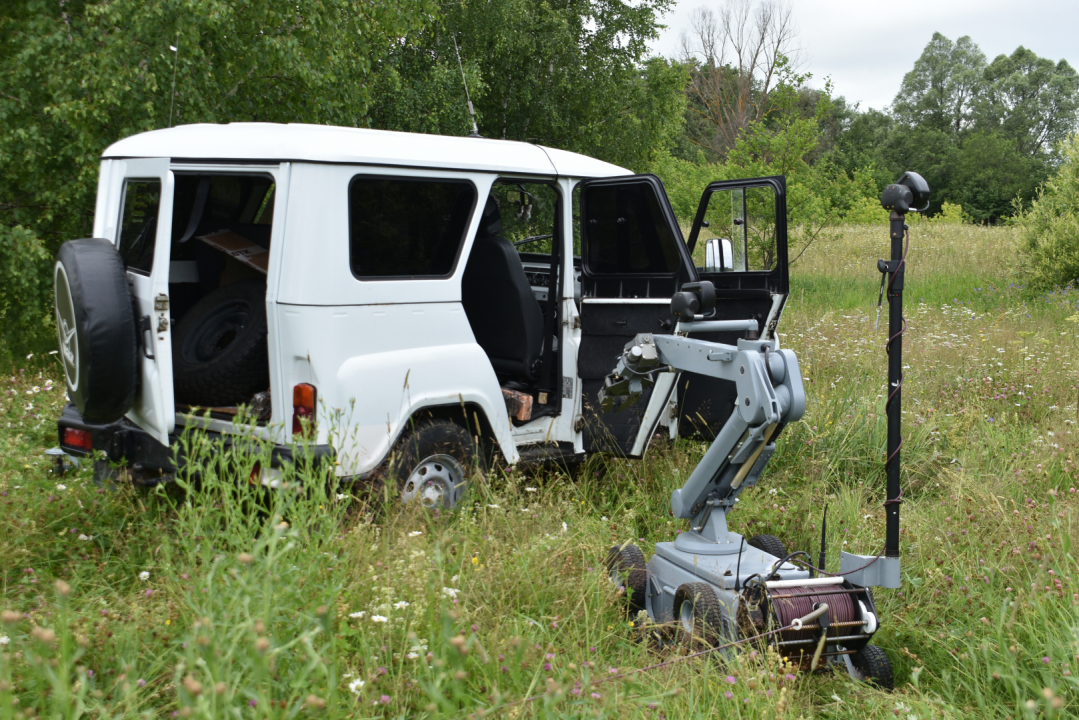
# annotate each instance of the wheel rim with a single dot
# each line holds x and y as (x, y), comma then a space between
(437, 481)
(216, 332)
(685, 616)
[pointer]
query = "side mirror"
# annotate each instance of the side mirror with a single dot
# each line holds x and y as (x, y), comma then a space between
(718, 255)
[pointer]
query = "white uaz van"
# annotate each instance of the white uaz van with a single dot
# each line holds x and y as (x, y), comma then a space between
(410, 304)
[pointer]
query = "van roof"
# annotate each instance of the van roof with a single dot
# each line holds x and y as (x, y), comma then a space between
(272, 142)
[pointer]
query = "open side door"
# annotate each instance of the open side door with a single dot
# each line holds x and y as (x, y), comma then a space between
(739, 244)
(633, 259)
(143, 237)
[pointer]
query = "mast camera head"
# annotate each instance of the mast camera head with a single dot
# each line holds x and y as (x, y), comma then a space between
(694, 301)
(909, 193)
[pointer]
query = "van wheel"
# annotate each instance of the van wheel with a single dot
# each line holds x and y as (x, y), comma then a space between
(219, 352)
(434, 462)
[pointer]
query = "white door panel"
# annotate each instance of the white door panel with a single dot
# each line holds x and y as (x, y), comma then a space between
(154, 409)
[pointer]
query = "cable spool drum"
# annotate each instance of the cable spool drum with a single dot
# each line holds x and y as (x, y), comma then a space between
(851, 617)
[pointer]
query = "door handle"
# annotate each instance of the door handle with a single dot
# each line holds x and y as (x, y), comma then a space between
(145, 326)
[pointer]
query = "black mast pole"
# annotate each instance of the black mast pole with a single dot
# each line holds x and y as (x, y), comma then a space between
(910, 193)
(895, 382)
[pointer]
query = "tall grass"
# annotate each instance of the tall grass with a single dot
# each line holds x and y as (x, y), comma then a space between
(315, 599)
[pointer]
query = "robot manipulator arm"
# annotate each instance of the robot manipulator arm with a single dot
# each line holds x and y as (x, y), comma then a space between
(770, 393)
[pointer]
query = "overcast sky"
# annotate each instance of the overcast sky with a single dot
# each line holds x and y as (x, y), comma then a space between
(866, 46)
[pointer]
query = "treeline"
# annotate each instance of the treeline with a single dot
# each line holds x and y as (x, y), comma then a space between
(78, 75)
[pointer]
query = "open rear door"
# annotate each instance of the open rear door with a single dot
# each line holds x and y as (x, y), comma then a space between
(633, 259)
(143, 238)
(739, 244)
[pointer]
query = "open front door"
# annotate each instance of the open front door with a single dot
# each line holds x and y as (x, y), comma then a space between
(739, 244)
(633, 258)
(143, 237)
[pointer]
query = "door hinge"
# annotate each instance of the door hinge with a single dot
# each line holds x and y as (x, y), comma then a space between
(576, 322)
(161, 303)
(578, 424)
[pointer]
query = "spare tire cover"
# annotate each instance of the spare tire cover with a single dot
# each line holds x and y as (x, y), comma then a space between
(95, 322)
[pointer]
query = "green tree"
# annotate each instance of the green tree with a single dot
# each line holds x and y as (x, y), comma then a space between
(79, 75)
(940, 91)
(1030, 100)
(1051, 225)
(571, 75)
(990, 173)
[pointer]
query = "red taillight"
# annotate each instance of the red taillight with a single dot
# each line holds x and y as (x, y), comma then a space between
(304, 396)
(74, 437)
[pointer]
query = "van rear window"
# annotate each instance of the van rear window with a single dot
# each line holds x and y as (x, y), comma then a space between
(407, 228)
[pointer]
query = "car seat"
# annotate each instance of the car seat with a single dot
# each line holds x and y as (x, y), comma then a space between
(504, 314)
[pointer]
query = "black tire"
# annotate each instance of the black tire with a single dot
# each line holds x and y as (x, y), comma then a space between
(628, 570)
(219, 351)
(875, 667)
(96, 329)
(433, 462)
(705, 619)
(769, 544)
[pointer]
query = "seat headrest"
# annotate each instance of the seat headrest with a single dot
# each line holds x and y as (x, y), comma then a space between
(491, 220)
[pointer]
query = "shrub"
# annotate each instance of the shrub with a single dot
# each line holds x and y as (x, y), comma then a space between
(25, 275)
(1051, 226)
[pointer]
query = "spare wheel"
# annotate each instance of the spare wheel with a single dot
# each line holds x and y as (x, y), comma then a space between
(95, 322)
(219, 351)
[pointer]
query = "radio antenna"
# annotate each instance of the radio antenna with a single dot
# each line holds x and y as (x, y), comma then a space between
(475, 130)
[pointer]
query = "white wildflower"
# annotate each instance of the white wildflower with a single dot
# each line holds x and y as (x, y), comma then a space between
(86, 538)
(454, 579)
(342, 496)
(379, 618)
(411, 656)
(492, 506)
(61, 486)
(531, 489)
(773, 491)
(401, 605)
(359, 614)
(565, 527)
(603, 518)
(415, 533)
(144, 575)
(449, 592)
(355, 686)
(4, 639)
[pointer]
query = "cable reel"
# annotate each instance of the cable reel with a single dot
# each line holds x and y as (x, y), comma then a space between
(846, 617)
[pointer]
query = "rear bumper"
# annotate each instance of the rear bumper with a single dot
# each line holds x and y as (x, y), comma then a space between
(125, 442)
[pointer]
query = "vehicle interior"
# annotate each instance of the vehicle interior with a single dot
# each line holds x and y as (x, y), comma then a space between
(221, 228)
(510, 290)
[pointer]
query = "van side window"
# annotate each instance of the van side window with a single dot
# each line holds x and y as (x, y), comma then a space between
(405, 227)
(627, 233)
(138, 224)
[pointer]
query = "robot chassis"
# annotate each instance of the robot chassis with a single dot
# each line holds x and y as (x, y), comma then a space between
(708, 583)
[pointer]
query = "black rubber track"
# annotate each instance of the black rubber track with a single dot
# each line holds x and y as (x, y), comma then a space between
(632, 572)
(434, 437)
(769, 544)
(219, 351)
(95, 321)
(709, 619)
(875, 665)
